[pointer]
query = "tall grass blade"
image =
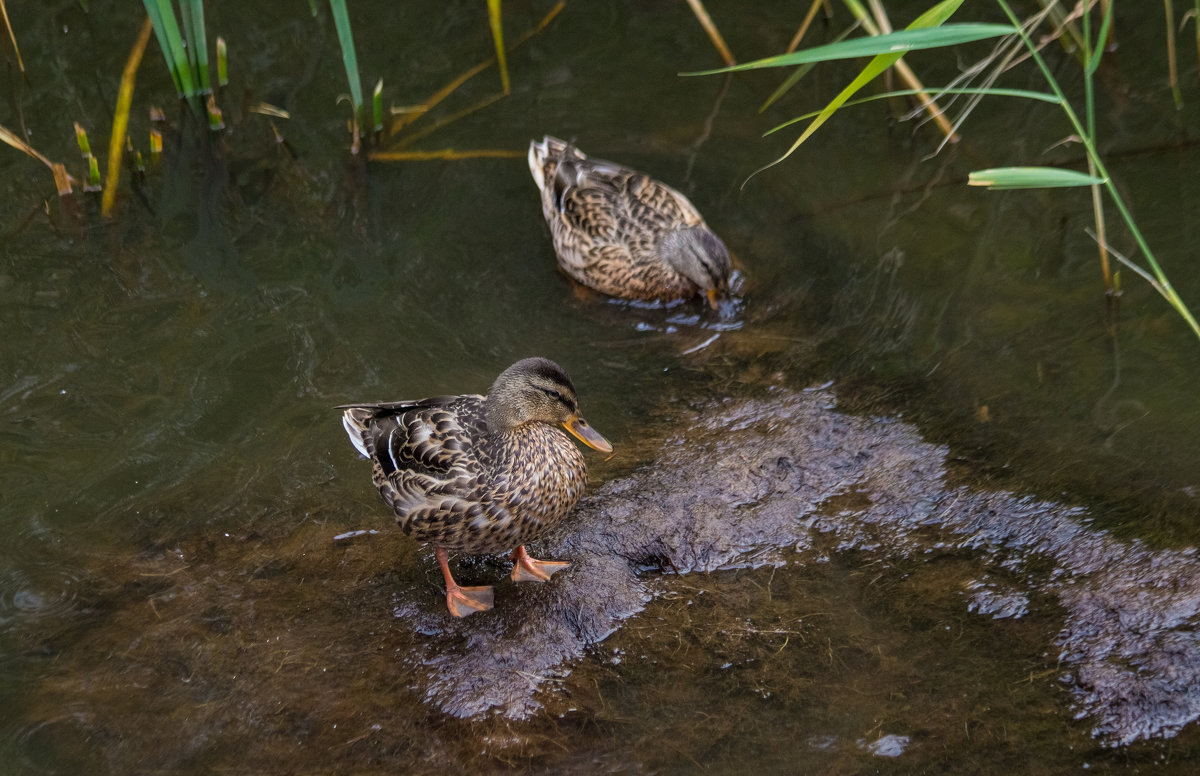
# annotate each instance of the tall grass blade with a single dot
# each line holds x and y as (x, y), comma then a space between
(167, 29)
(341, 20)
(154, 11)
(187, 23)
(1098, 49)
(498, 41)
(116, 143)
(198, 38)
(1092, 53)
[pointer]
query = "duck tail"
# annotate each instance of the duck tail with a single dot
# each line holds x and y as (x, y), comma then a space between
(549, 150)
(355, 420)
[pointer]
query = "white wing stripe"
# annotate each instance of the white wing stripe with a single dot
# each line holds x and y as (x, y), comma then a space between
(391, 450)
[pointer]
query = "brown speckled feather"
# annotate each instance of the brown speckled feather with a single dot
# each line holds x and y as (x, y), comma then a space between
(452, 483)
(609, 222)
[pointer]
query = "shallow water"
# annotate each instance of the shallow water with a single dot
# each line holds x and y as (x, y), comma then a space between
(167, 379)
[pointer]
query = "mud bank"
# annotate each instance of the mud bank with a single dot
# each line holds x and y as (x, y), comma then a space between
(265, 645)
(755, 482)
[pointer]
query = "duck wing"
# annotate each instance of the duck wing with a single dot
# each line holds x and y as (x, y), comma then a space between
(426, 455)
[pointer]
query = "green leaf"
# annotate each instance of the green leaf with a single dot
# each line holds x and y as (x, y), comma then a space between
(1031, 178)
(166, 30)
(893, 44)
(989, 92)
(932, 18)
(341, 21)
(1098, 50)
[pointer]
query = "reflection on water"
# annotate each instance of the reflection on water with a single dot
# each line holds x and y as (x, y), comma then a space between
(166, 384)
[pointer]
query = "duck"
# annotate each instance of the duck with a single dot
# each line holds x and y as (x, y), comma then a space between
(480, 474)
(623, 233)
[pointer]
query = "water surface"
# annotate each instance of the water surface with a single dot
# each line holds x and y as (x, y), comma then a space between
(168, 378)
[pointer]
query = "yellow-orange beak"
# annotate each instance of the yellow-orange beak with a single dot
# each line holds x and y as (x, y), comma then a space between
(713, 297)
(580, 429)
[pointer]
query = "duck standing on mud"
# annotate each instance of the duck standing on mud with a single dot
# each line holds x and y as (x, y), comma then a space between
(480, 474)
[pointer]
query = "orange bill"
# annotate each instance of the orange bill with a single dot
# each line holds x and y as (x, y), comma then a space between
(713, 295)
(580, 429)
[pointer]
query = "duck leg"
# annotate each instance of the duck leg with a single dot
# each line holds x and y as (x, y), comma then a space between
(527, 569)
(462, 601)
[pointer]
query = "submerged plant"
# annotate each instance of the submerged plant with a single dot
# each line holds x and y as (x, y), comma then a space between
(930, 30)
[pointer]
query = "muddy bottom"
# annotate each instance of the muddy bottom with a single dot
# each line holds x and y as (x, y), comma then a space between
(785, 586)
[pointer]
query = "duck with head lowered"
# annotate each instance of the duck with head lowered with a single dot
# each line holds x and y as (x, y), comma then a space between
(623, 233)
(479, 474)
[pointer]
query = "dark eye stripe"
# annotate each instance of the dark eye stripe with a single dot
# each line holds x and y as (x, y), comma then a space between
(558, 397)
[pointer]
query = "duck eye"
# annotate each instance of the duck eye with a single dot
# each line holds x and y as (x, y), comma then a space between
(553, 394)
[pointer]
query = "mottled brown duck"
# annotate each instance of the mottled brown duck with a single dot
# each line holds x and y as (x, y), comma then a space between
(624, 233)
(479, 474)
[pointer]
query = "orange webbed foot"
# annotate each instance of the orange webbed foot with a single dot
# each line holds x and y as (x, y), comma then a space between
(463, 601)
(527, 569)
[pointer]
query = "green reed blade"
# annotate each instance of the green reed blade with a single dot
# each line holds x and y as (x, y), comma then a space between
(1001, 178)
(154, 11)
(341, 20)
(892, 44)
(198, 37)
(926, 22)
(166, 30)
(1168, 291)
(936, 92)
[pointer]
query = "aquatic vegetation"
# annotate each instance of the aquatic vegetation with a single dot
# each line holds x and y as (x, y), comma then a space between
(931, 31)
(183, 39)
(395, 146)
(186, 54)
(62, 179)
